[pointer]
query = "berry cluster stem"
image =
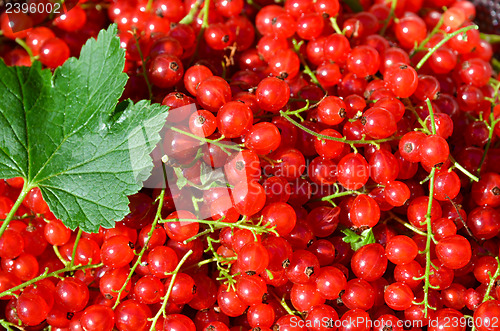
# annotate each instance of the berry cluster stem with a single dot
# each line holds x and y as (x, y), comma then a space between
(75, 246)
(8, 325)
(491, 129)
(26, 188)
(421, 46)
(143, 65)
(160, 200)
(285, 306)
(442, 42)
(433, 131)
(343, 139)
(256, 229)
(333, 21)
(307, 70)
(161, 311)
(491, 38)
(431, 115)
(491, 284)
(339, 194)
(223, 266)
(46, 274)
(222, 146)
(427, 251)
(204, 25)
(189, 18)
(23, 44)
(407, 225)
(392, 14)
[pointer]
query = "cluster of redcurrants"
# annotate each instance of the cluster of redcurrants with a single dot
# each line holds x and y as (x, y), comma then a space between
(360, 163)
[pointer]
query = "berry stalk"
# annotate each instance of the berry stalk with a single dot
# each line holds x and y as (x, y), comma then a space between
(491, 284)
(491, 129)
(224, 147)
(442, 42)
(26, 188)
(394, 3)
(408, 225)
(46, 274)
(219, 224)
(75, 246)
(427, 251)
(160, 200)
(421, 46)
(333, 21)
(143, 65)
(161, 311)
(343, 139)
(307, 69)
(189, 18)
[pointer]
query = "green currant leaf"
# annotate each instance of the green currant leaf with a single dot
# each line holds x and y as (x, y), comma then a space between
(358, 240)
(65, 134)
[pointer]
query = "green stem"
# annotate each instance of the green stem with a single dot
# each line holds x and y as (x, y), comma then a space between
(26, 188)
(287, 308)
(462, 169)
(433, 127)
(338, 195)
(307, 69)
(429, 235)
(496, 64)
(59, 256)
(254, 5)
(223, 267)
(206, 140)
(298, 111)
(25, 216)
(161, 198)
(491, 128)
(46, 274)
(143, 65)
(424, 42)
(336, 27)
(169, 291)
(189, 18)
(206, 7)
(219, 224)
(431, 114)
(204, 25)
(8, 325)
(343, 139)
(491, 283)
(211, 260)
(406, 224)
(491, 38)
(75, 246)
(442, 42)
(390, 17)
(23, 44)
